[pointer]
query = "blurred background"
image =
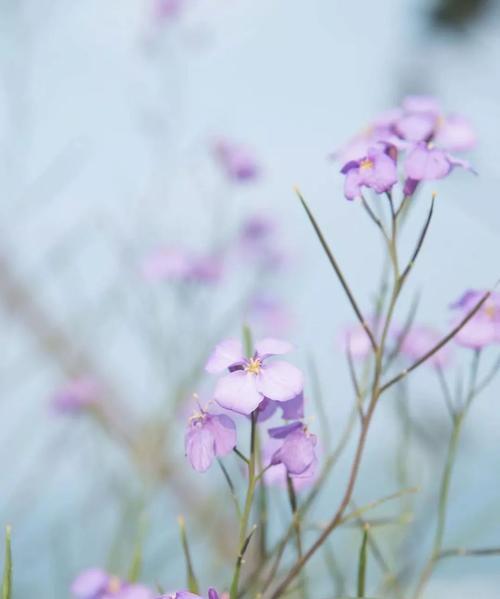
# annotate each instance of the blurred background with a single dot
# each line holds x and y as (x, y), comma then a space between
(138, 136)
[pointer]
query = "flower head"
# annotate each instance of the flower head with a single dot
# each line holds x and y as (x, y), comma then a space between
(377, 170)
(95, 583)
(175, 264)
(76, 395)
(208, 436)
(297, 451)
(483, 328)
(237, 161)
(251, 379)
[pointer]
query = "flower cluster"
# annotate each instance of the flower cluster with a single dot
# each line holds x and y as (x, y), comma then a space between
(255, 386)
(418, 131)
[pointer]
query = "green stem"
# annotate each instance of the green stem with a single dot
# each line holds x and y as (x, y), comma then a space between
(246, 511)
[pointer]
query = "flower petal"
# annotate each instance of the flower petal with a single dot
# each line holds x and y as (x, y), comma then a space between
(226, 354)
(293, 408)
(297, 452)
(89, 583)
(237, 391)
(423, 164)
(200, 447)
(280, 381)
(223, 430)
(272, 347)
(352, 184)
(280, 432)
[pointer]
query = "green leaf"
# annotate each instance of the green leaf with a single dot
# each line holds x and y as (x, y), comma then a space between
(192, 582)
(362, 564)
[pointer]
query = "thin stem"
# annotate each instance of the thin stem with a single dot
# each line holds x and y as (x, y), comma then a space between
(420, 240)
(246, 511)
(338, 271)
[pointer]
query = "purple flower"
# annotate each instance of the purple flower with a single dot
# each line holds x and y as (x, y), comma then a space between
(252, 379)
(484, 327)
(419, 340)
(276, 475)
(208, 436)
(297, 452)
(212, 594)
(167, 9)
(98, 584)
(77, 395)
(355, 340)
(455, 134)
(178, 265)
(377, 170)
(236, 160)
(425, 162)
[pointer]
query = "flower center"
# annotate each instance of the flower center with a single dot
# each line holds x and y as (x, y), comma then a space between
(366, 164)
(490, 311)
(253, 366)
(114, 585)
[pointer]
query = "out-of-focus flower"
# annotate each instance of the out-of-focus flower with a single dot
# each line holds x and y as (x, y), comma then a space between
(276, 475)
(236, 160)
(425, 162)
(166, 10)
(269, 314)
(484, 327)
(355, 340)
(95, 583)
(257, 242)
(208, 436)
(76, 395)
(377, 170)
(297, 452)
(419, 340)
(212, 594)
(251, 379)
(455, 134)
(179, 265)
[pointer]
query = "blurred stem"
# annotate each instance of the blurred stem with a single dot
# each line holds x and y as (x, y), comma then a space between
(7, 568)
(246, 511)
(362, 564)
(192, 582)
(458, 420)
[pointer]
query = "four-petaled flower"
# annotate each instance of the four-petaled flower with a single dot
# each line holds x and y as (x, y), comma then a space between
(252, 379)
(297, 452)
(208, 436)
(377, 170)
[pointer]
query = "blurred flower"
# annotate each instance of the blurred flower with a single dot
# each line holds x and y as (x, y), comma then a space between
(455, 134)
(425, 162)
(252, 379)
(178, 265)
(167, 9)
(419, 340)
(257, 241)
(377, 170)
(208, 436)
(76, 395)
(297, 451)
(484, 327)
(237, 161)
(212, 594)
(355, 339)
(98, 584)
(269, 314)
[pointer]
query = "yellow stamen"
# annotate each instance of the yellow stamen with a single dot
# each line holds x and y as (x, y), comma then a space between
(490, 310)
(366, 164)
(114, 584)
(253, 366)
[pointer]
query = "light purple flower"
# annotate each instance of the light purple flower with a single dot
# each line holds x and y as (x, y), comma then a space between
(419, 340)
(297, 451)
(355, 339)
(483, 328)
(77, 395)
(250, 380)
(425, 162)
(95, 583)
(377, 170)
(178, 265)
(237, 161)
(276, 475)
(212, 594)
(208, 436)
(167, 9)
(455, 134)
